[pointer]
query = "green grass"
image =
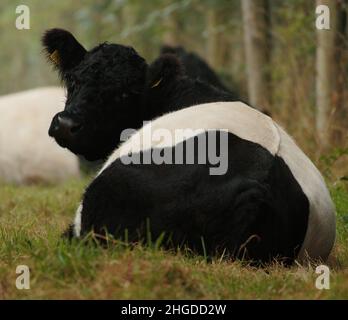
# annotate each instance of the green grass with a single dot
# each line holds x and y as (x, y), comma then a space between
(32, 218)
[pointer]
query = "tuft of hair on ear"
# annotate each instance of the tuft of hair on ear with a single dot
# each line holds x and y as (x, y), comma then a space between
(62, 49)
(166, 67)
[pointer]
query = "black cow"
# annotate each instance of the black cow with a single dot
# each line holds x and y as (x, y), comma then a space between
(111, 88)
(211, 174)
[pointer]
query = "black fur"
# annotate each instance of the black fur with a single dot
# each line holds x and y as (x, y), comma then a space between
(113, 88)
(176, 90)
(197, 68)
(70, 52)
(250, 212)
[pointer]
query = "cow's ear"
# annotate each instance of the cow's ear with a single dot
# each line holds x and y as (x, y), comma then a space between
(166, 67)
(62, 49)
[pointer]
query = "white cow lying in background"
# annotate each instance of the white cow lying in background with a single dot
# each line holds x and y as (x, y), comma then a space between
(27, 153)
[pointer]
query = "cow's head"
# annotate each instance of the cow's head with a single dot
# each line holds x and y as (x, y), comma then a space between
(104, 87)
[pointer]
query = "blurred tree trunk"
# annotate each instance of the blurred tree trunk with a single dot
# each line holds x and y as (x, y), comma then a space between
(217, 44)
(256, 20)
(173, 27)
(331, 113)
(212, 40)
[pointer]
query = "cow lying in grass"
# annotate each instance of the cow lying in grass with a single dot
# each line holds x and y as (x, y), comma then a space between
(27, 155)
(264, 199)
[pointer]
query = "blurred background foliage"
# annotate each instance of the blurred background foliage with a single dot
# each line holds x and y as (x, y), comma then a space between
(213, 29)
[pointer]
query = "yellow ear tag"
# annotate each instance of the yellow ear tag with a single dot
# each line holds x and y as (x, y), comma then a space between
(157, 83)
(54, 56)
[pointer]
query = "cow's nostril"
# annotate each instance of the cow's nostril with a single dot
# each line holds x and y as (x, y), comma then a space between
(76, 128)
(67, 126)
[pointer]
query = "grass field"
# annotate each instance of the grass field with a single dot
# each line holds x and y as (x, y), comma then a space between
(32, 218)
